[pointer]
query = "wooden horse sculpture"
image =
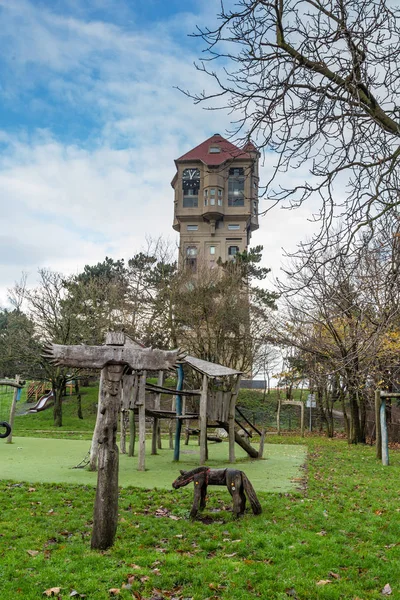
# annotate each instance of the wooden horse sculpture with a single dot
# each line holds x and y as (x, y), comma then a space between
(236, 481)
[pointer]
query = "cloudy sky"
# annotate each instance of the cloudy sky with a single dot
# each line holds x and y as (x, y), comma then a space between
(90, 124)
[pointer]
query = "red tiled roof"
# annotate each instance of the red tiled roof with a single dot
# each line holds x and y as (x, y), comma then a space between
(228, 151)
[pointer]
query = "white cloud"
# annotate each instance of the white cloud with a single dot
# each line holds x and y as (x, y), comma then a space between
(71, 201)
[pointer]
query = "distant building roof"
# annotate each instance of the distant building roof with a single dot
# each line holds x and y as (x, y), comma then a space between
(217, 150)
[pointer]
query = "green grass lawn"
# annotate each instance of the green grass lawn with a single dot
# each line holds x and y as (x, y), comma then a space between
(330, 531)
(51, 461)
(336, 539)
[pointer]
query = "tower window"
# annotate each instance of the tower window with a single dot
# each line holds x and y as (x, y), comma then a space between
(236, 187)
(191, 258)
(214, 150)
(233, 226)
(233, 250)
(212, 249)
(192, 227)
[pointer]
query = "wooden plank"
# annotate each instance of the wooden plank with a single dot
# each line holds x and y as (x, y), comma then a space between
(203, 421)
(151, 387)
(96, 357)
(142, 422)
(209, 368)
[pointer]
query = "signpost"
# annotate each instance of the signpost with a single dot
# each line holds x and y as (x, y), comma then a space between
(311, 403)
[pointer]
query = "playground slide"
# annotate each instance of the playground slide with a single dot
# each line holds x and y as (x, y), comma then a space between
(44, 402)
(241, 441)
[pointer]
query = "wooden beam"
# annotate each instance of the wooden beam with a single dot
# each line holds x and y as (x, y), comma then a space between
(384, 433)
(96, 357)
(378, 441)
(141, 403)
(12, 383)
(203, 421)
(231, 420)
(156, 436)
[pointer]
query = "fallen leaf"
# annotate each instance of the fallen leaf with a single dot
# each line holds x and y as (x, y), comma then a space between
(144, 578)
(174, 518)
(324, 581)
(54, 591)
(321, 532)
(292, 593)
(126, 586)
(334, 575)
(32, 489)
(133, 566)
(387, 590)
(230, 555)
(33, 552)
(75, 594)
(114, 591)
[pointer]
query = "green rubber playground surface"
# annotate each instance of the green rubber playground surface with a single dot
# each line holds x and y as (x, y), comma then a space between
(52, 460)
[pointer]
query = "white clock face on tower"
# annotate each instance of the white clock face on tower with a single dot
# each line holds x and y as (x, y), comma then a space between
(191, 174)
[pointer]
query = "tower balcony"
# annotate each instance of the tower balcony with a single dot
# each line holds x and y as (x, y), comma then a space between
(212, 213)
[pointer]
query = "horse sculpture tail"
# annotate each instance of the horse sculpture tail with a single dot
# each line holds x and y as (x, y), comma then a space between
(251, 494)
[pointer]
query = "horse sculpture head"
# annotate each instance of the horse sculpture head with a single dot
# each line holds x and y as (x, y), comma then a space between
(186, 477)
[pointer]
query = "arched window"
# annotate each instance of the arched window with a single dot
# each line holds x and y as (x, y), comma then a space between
(232, 251)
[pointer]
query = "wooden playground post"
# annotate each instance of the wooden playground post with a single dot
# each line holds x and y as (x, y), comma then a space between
(378, 424)
(203, 420)
(156, 434)
(178, 425)
(384, 433)
(132, 424)
(141, 404)
(231, 419)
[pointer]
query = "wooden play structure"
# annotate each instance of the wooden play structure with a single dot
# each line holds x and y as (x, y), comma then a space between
(236, 481)
(215, 408)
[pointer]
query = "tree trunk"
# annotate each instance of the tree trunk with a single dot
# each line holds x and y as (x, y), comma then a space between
(79, 403)
(57, 386)
(105, 517)
(355, 431)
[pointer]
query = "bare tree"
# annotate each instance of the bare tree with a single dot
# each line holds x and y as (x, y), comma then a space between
(56, 320)
(316, 82)
(339, 319)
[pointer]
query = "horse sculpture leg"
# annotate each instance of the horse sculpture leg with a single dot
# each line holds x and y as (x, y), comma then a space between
(235, 488)
(200, 490)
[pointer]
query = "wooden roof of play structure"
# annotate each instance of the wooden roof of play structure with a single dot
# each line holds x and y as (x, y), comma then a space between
(208, 368)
